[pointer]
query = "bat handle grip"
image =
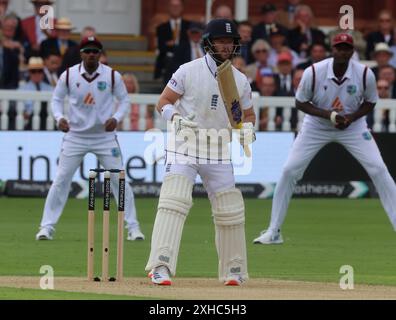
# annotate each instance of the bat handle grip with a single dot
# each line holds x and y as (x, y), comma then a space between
(246, 148)
(247, 151)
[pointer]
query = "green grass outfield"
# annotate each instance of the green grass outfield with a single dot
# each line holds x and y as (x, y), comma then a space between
(320, 236)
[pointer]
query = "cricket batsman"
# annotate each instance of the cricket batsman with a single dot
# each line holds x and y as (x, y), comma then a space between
(192, 102)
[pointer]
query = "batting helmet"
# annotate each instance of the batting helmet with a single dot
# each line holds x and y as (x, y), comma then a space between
(220, 28)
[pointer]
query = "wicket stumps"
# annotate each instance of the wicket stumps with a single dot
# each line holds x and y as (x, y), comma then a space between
(106, 224)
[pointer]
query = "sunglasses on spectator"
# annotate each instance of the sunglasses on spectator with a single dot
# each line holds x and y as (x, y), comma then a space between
(382, 87)
(36, 71)
(260, 51)
(90, 50)
(385, 20)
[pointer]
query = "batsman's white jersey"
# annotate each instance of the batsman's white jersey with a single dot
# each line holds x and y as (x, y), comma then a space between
(196, 82)
(321, 87)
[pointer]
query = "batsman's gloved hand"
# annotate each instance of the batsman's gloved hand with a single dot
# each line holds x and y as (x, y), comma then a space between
(182, 123)
(247, 133)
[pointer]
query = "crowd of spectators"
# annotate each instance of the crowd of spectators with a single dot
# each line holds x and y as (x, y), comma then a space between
(32, 58)
(275, 51)
(272, 53)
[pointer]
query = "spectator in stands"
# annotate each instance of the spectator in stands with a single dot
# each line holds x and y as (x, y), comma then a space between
(317, 52)
(4, 12)
(388, 73)
(245, 31)
(267, 87)
(62, 41)
(278, 44)
(132, 86)
(384, 34)
(52, 63)
(9, 62)
(72, 55)
(382, 56)
(35, 83)
(186, 51)
(297, 75)
(383, 93)
(239, 63)
(283, 78)
(223, 12)
(284, 83)
(260, 67)
(304, 34)
(31, 27)
(286, 16)
(383, 89)
(169, 35)
(13, 54)
(268, 25)
(392, 61)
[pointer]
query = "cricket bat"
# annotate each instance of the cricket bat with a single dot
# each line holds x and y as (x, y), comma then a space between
(230, 96)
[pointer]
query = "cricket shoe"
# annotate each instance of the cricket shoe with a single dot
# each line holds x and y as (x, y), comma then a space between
(233, 280)
(269, 237)
(45, 234)
(160, 276)
(135, 234)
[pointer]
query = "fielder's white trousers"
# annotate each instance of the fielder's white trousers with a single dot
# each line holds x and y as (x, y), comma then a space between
(72, 153)
(309, 141)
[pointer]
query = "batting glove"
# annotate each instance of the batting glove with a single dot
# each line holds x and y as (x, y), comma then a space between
(247, 133)
(182, 123)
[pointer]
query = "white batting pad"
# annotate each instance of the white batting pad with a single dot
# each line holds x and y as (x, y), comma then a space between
(229, 217)
(173, 206)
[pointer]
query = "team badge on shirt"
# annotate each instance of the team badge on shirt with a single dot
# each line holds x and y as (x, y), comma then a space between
(115, 152)
(367, 135)
(102, 85)
(351, 89)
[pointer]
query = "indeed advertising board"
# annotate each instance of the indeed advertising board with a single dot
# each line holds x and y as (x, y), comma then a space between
(33, 155)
